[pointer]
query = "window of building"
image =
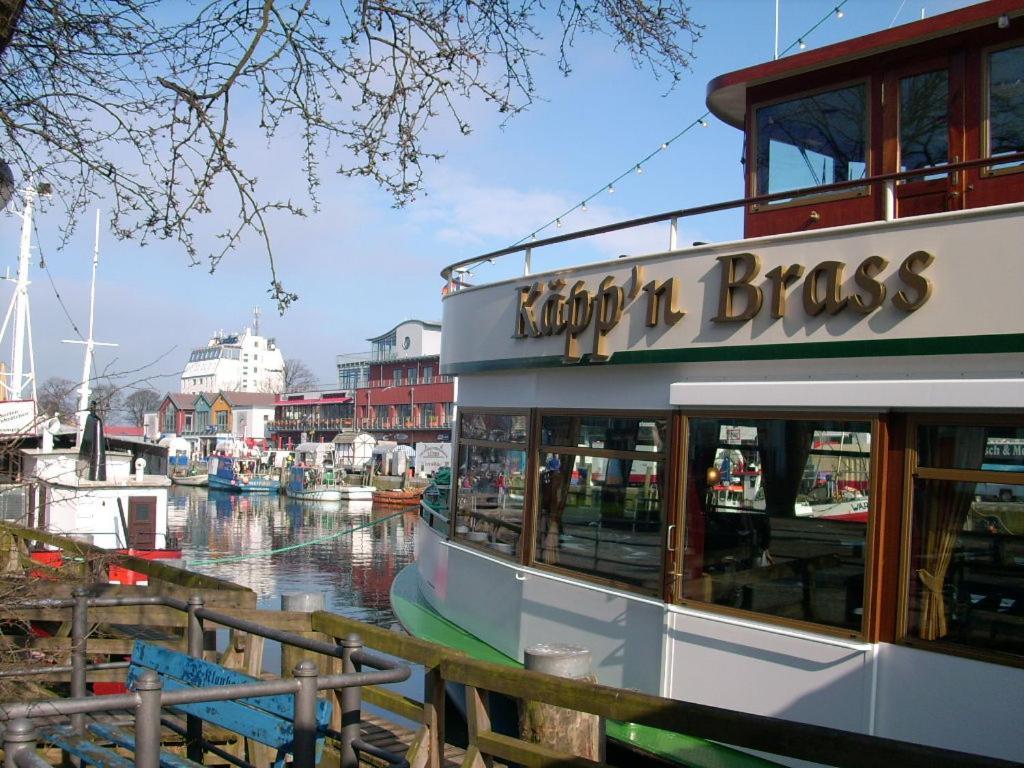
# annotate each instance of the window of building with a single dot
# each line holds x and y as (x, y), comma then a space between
(776, 516)
(410, 375)
(1005, 124)
(602, 499)
(428, 375)
(396, 377)
(491, 480)
(222, 420)
(813, 140)
(965, 580)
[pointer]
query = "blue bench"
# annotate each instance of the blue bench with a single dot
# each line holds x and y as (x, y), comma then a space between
(265, 719)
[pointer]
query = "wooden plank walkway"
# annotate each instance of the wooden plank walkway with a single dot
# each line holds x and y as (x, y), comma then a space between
(396, 739)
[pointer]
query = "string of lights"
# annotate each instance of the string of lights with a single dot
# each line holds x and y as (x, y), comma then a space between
(637, 168)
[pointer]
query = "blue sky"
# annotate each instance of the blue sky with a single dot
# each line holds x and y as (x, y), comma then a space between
(360, 266)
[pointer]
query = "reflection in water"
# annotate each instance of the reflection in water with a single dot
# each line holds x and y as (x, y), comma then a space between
(354, 570)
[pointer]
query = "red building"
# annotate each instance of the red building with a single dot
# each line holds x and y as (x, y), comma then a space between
(404, 397)
(310, 417)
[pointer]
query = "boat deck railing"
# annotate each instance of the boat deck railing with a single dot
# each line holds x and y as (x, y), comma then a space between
(886, 182)
(146, 703)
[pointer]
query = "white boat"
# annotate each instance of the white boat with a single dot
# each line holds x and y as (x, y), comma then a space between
(873, 301)
(356, 492)
(313, 476)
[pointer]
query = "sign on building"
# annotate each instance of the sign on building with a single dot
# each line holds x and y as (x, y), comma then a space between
(430, 457)
(17, 417)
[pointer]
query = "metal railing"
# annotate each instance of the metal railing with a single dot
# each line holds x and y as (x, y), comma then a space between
(887, 182)
(148, 698)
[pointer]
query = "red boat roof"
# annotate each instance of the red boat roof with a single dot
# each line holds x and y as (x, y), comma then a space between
(727, 94)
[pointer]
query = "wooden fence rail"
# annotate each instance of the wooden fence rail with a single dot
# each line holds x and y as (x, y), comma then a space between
(784, 738)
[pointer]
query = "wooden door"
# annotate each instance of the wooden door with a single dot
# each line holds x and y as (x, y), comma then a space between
(925, 130)
(142, 522)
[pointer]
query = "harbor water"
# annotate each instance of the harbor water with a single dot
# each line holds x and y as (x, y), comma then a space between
(279, 546)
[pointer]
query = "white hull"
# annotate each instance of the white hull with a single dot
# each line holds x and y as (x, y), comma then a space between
(638, 642)
(316, 494)
(357, 492)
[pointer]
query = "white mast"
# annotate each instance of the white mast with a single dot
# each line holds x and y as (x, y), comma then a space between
(90, 344)
(19, 309)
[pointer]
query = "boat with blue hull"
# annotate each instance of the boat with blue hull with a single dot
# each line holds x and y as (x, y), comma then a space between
(240, 475)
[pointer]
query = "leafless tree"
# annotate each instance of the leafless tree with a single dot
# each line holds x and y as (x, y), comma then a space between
(135, 406)
(147, 103)
(298, 376)
(57, 395)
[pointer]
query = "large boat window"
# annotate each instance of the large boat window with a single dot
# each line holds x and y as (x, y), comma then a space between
(924, 121)
(1006, 102)
(812, 141)
(491, 481)
(776, 517)
(601, 506)
(495, 427)
(966, 573)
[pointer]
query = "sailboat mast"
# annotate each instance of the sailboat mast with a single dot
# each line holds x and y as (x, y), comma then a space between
(84, 391)
(21, 316)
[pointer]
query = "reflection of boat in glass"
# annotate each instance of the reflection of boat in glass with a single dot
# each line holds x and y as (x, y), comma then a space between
(240, 475)
(858, 352)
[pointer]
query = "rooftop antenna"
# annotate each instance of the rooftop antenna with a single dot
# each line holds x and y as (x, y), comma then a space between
(90, 343)
(256, 321)
(22, 382)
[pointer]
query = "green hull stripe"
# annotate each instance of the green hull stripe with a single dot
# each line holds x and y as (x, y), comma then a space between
(939, 345)
(420, 620)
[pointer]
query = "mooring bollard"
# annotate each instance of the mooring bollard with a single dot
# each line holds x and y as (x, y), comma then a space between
(565, 730)
(305, 602)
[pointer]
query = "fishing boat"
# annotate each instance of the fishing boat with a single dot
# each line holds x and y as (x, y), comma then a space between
(312, 484)
(356, 492)
(874, 301)
(398, 497)
(240, 475)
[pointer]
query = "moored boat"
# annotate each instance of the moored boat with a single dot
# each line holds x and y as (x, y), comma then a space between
(196, 480)
(398, 497)
(356, 492)
(861, 347)
(312, 484)
(240, 475)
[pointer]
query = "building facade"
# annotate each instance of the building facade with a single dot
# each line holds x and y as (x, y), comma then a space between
(314, 417)
(234, 362)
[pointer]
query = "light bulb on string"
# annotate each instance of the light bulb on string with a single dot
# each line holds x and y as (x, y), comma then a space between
(583, 206)
(801, 43)
(664, 145)
(839, 12)
(703, 123)
(558, 223)
(639, 170)
(611, 189)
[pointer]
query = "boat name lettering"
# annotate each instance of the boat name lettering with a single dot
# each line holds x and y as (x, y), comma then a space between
(822, 289)
(572, 314)
(556, 308)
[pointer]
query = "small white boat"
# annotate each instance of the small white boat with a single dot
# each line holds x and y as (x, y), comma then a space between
(356, 492)
(316, 494)
(192, 480)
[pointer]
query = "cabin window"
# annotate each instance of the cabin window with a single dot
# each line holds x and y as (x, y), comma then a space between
(965, 580)
(601, 504)
(776, 516)
(924, 121)
(489, 487)
(1005, 125)
(813, 140)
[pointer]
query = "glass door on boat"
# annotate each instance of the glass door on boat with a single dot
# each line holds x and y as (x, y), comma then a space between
(926, 128)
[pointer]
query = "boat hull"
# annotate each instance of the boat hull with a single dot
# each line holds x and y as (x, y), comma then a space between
(356, 492)
(255, 485)
(191, 480)
(315, 494)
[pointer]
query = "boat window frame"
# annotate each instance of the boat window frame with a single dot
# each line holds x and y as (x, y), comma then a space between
(913, 471)
(457, 442)
(668, 500)
(852, 193)
(985, 149)
(876, 468)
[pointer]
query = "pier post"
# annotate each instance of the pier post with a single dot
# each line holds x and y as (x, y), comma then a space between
(19, 736)
(563, 729)
(79, 631)
(351, 703)
(147, 720)
(304, 746)
(304, 602)
(194, 724)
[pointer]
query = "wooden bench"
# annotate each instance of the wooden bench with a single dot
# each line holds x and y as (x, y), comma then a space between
(265, 719)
